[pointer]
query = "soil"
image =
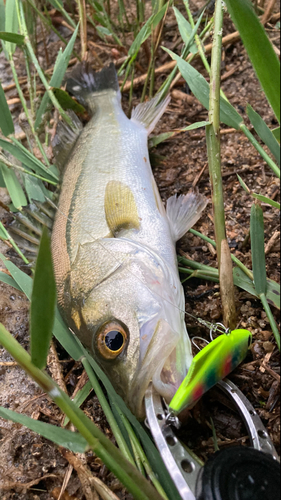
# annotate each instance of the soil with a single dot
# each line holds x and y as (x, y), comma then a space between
(31, 467)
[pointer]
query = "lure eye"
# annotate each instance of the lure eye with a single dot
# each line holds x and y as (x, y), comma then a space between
(111, 339)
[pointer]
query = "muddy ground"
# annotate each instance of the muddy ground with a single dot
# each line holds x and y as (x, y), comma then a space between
(32, 468)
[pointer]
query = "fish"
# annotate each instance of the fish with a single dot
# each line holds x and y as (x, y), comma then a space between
(113, 243)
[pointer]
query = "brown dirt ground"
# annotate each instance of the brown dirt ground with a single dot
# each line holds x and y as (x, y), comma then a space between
(31, 467)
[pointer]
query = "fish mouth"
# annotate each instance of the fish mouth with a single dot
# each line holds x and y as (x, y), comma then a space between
(162, 364)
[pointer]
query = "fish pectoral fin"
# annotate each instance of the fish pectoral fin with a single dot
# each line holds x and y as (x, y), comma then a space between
(149, 113)
(120, 207)
(65, 139)
(184, 211)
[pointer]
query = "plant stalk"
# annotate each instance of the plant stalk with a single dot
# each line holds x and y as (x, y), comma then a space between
(213, 146)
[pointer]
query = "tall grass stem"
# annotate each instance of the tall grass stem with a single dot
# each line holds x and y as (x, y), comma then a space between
(214, 157)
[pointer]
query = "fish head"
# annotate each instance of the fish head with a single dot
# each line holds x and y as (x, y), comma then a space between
(136, 331)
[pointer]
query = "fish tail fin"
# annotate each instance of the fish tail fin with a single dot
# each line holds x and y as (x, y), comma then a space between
(83, 82)
(149, 113)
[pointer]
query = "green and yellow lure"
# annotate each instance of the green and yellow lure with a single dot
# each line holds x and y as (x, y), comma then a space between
(213, 363)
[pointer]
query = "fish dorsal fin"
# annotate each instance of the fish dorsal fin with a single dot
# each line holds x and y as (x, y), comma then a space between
(184, 211)
(149, 113)
(121, 211)
(65, 139)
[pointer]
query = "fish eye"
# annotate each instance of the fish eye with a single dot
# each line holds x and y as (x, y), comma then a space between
(111, 340)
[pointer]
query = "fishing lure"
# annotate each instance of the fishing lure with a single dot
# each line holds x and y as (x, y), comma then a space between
(213, 363)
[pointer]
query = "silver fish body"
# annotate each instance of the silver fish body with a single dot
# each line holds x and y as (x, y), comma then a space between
(114, 253)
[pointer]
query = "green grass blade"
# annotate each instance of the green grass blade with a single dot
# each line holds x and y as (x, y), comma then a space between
(149, 448)
(62, 437)
(5, 236)
(67, 102)
(6, 120)
(257, 248)
(79, 398)
(265, 199)
(5, 278)
(24, 156)
(66, 338)
(108, 412)
(157, 139)
(195, 126)
(21, 279)
(243, 184)
(185, 30)
(264, 133)
(35, 189)
(43, 302)
(2, 15)
(276, 133)
(11, 23)
(12, 37)
(262, 152)
(273, 288)
(13, 185)
(146, 31)
(271, 319)
(259, 48)
(57, 76)
(59, 6)
(273, 293)
(200, 88)
(259, 197)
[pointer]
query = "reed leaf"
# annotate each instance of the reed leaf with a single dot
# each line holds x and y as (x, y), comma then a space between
(12, 37)
(259, 48)
(57, 76)
(258, 261)
(265, 199)
(6, 120)
(67, 102)
(264, 133)
(276, 133)
(185, 30)
(200, 88)
(26, 158)
(259, 197)
(5, 278)
(11, 24)
(43, 302)
(80, 397)
(14, 188)
(257, 248)
(62, 437)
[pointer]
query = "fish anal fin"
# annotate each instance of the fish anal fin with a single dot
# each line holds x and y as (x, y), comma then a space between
(149, 113)
(120, 207)
(184, 211)
(65, 139)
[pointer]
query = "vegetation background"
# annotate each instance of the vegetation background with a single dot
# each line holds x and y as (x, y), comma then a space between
(39, 43)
